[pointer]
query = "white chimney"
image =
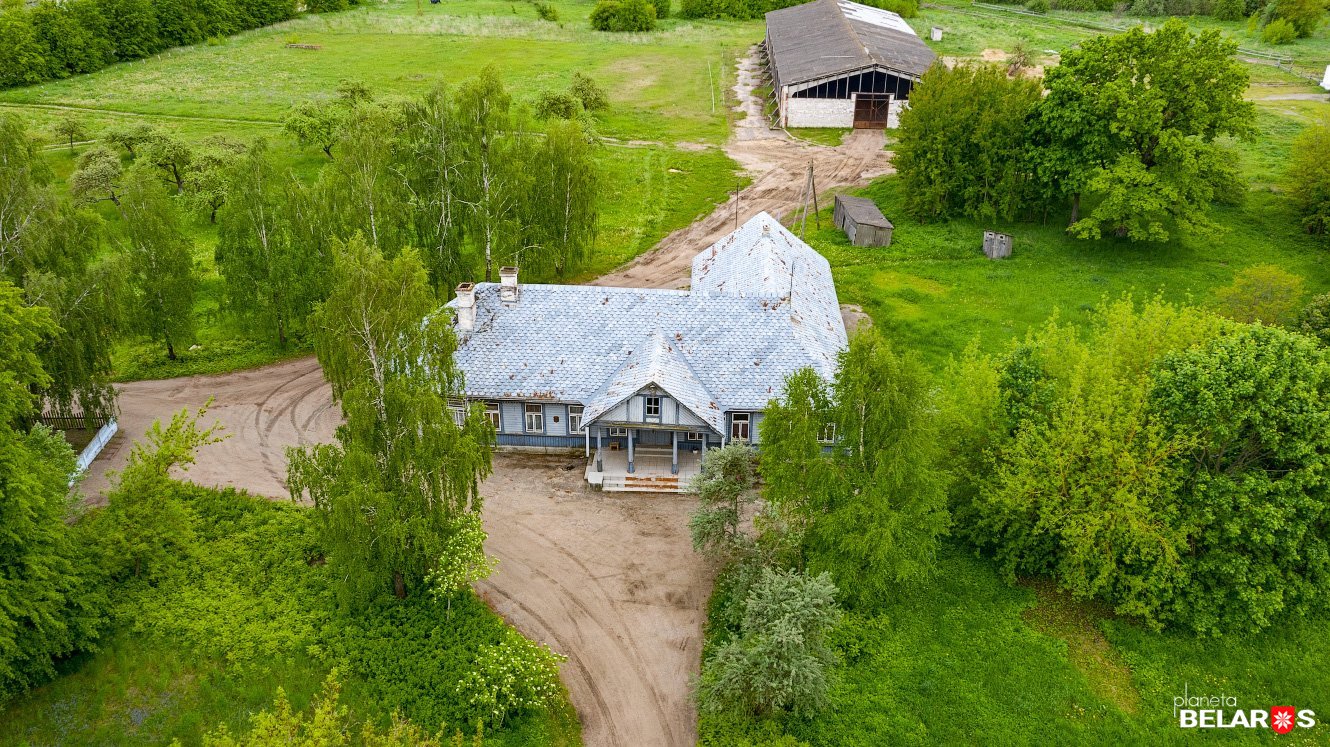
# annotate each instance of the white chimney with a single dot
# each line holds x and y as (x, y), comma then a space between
(508, 290)
(466, 307)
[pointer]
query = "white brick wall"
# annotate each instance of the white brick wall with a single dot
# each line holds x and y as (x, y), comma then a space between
(819, 113)
(894, 113)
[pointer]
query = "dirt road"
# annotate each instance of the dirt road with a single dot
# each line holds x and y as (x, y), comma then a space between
(610, 581)
(778, 165)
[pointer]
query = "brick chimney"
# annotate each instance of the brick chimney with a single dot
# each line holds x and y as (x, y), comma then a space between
(509, 291)
(466, 307)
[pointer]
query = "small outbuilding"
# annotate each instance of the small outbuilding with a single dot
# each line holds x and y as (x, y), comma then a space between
(836, 63)
(861, 221)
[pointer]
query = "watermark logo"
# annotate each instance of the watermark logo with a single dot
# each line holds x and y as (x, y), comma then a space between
(1282, 718)
(1223, 712)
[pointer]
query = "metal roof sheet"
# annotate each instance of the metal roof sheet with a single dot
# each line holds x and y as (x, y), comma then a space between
(827, 38)
(763, 305)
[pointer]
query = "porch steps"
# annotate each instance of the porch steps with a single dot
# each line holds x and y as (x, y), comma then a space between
(643, 484)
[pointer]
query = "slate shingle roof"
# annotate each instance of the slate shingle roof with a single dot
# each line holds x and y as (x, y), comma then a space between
(762, 306)
(826, 38)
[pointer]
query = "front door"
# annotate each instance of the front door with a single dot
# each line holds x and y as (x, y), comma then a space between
(650, 437)
(871, 110)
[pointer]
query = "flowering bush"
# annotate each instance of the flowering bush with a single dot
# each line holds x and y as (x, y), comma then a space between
(511, 676)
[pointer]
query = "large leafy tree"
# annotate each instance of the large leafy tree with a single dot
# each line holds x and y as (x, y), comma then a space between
(52, 249)
(1131, 121)
(47, 608)
(1170, 462)
(273, 278)
(962, 141)
(161, 270)
(1307, 179)
(361, 191)
(402, 469)
(870, 512)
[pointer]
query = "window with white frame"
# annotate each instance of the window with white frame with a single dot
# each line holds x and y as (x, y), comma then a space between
(459, 414)
(618, 431)
(696, 436)
(652, 408)
(827, 434)
(739, 423)
(575, 418)
(535, 418)
(492, 414)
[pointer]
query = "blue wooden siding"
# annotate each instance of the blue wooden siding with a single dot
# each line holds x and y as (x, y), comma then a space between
(556, 420)
(557, 442)
(514, 421)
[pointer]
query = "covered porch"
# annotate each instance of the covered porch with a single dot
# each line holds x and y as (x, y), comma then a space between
(645, 460)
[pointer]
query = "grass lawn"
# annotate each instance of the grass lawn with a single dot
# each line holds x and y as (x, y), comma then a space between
(968, 659)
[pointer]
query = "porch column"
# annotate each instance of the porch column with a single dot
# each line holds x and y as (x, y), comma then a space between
(674, 453)
(600, 466)
(586, 436)
(706, 438)
(630, 449)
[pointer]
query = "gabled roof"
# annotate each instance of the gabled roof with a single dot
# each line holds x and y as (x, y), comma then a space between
(763, 306)
(658, 362)
(827, 38)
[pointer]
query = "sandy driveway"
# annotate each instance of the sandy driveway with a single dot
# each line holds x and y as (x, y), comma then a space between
(609, 581)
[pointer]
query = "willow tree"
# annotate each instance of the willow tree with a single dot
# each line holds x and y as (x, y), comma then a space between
(403, 469)
(272, 278)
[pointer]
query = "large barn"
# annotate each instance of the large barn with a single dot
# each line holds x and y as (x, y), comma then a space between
(835, 63)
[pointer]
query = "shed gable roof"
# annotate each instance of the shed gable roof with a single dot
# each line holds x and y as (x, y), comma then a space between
(828, 38)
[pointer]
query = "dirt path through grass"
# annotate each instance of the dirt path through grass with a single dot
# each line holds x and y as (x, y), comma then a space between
(778, 165)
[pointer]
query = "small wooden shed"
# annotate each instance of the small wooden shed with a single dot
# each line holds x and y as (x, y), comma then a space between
(862, 222)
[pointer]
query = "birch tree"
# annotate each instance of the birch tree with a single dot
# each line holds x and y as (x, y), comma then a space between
(494, 167)
(361, 191)
(432, 161)
(161, 270)
(563, 210)
(402, 468)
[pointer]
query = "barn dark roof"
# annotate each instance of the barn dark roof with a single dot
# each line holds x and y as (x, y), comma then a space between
(826, 38)
(863, 211)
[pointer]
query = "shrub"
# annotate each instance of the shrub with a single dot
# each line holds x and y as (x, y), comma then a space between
(1037, 6)
(623, 15)
(557, 105)
(511, 676)
(780, 659)
(1307, 180)
(1303, 15)
(1230, 10)
(1264, 293)
(547, 12)
(1314, 319)
(662, 9)
(1279, 31)
(592, 96)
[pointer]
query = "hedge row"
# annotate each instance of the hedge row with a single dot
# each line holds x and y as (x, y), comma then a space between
(58, 39)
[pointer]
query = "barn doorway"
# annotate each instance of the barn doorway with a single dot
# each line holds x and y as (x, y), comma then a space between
(871, 111)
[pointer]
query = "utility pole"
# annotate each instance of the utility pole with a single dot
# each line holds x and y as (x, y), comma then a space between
(809, 194)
